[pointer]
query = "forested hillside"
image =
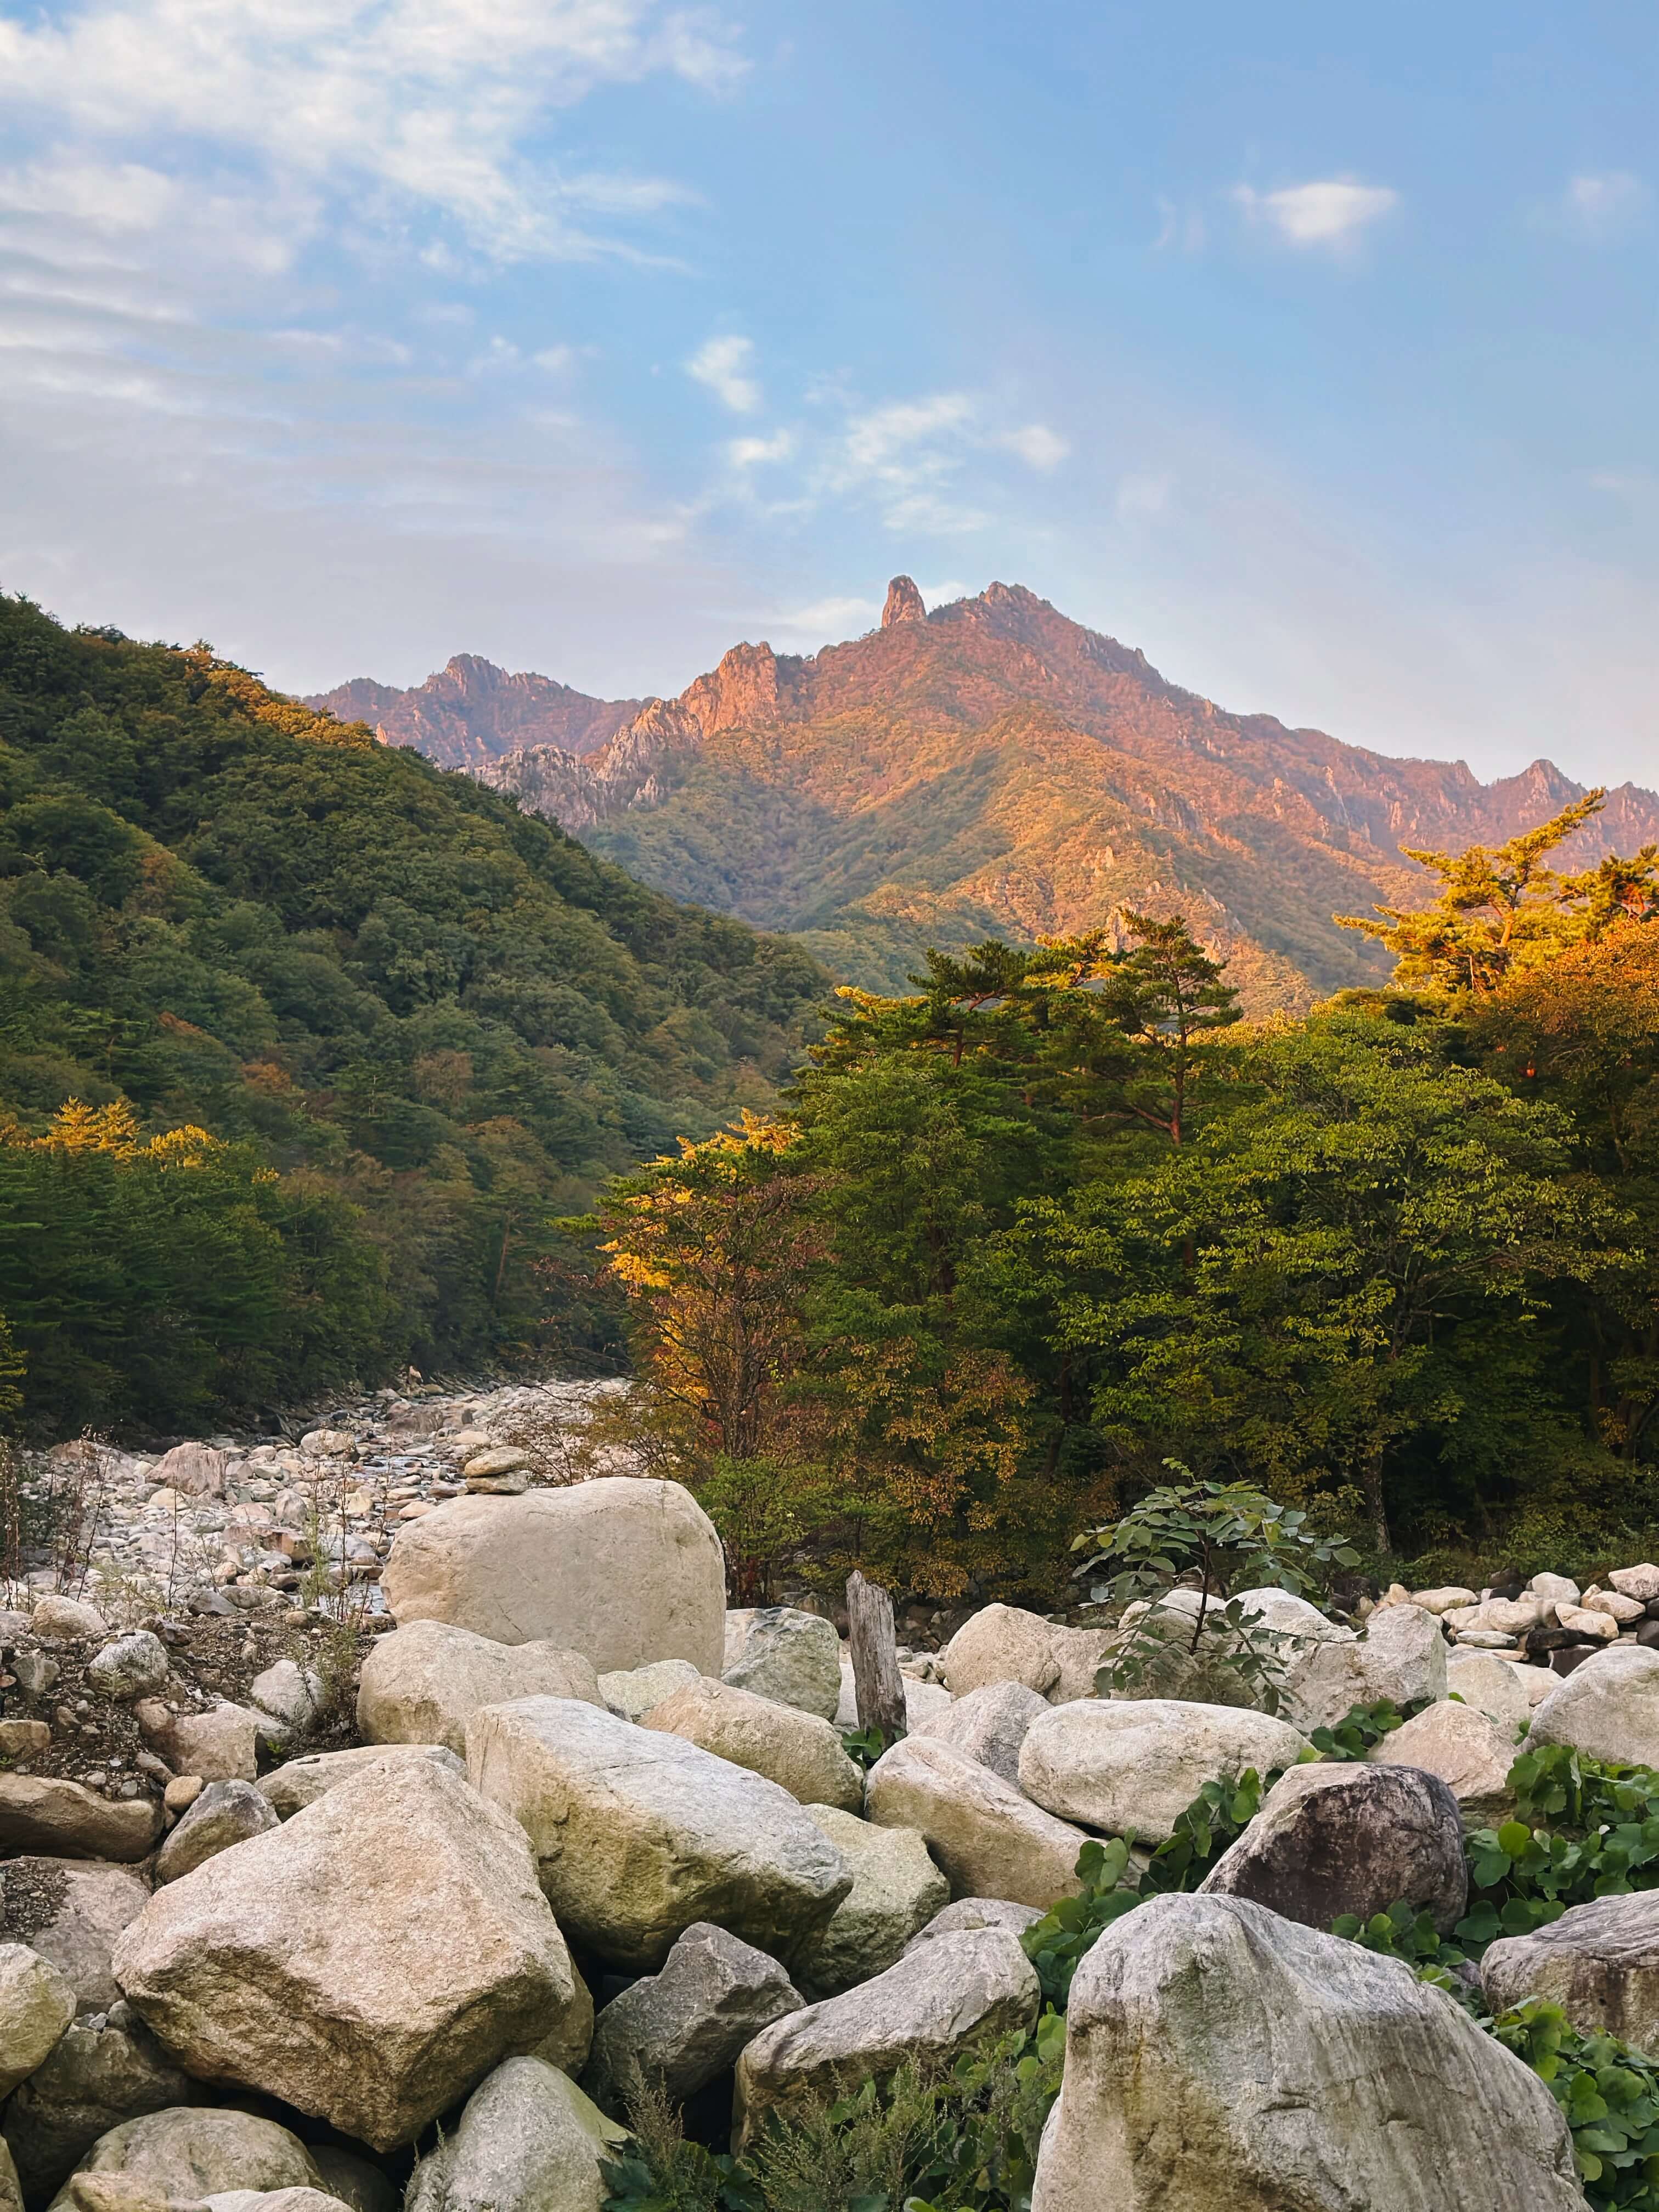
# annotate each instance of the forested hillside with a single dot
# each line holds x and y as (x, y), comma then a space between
(303, 1042)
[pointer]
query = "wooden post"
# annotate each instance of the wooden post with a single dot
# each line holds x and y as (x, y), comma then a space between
(876, 1677)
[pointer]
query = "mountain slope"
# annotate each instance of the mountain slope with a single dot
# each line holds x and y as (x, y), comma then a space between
(992, 766)
(421, 1022)
(471, 711)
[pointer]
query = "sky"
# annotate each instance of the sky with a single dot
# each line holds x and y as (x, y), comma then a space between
(1311, 349)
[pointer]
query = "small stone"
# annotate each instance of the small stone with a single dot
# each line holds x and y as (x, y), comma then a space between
(193, 1471)
(1443, 1600)
(328, 1443)
(24, 1739)
(1484, 1639)
(504, 1459)
(182, 1792)
(133, 1666)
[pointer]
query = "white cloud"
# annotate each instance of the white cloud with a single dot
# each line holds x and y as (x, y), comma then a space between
(883, 442)
(753, 452)
(1037, 446)
(1331, 212)
(1142, 496)
(1601, 205)
(1177, 231)
(722, 364)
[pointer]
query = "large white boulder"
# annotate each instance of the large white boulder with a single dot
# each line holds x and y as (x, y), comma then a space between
(529, 2141)
(1004, 1643)
(1139, 1764)
(896, 1890)
(801, 1752)
(367, 1961)
(988, 1724)
(625, 1569)
(1221, 2059)
(422, 1684)
(1402, 1656)
(1608, 1707)
(989, 1840)
(637, 1833)
(50, 1816)
(780, 1652)
(290, 1789)
(1496, 1688)
(186, 2153)
(1471, 1754)
(943, 1998)
(1599, 1962)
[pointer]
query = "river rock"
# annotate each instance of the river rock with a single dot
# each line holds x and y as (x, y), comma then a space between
(67, 1620)
(102, 2071)
(529, 2141)
(988, 1724)
(794, 1748)
(36, 2005)
(366, 1961)
(1331, 1839)
(634, 1690)
(1471, 1754)
(1608, 1707)
(1623, 1610)
(1221, 2059)
(779, 1652)
(226, 1812)
(134, 1665)
(1139, 1765)
(290, 1789)
(896, 1890)
(977, 1913)
(682, 2028)
(1503, 1616)
(1495, 1687)
(1402, 1656)
(1599, 1962)
(193, 1470)
(1640, 1583)
(221, 1745)
(422, 1684)
(988, 1839)
(625, 1569)
(1004, 1643)
(292, 1695)
(637, 1833)
(942, 1999)
(47, 1815)
(188, 2152)
(77, 1909)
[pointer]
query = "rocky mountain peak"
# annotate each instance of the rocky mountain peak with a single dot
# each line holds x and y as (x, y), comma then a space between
(904, 602)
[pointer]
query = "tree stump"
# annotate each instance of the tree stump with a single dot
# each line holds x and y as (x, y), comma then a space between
(876, 1678)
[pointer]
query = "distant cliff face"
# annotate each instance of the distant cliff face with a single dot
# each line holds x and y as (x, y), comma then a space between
(471, 712)
(993, 768)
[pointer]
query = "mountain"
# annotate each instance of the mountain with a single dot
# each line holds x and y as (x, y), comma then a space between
(471, 711)
(415, 1023)
(991, 767)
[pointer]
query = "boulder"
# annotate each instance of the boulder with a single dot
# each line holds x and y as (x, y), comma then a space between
(633, 1690)
(1495, 1687)
(43, 1814)
(1138, 1766)
(366, 1960)
(977, 1913)
(988, 1724)
(1004, 1643)
(637, 1834)
(623, 1568)
(681, 2029)
(1552, 1589)
(1444, 1599)
(572, 2039)
(193, 1470)
(779, 1652)
(11, 2190)
(1331, 1839)
(1402, 1656)
(221, 1745)
(1471, 1754)
(1221, 2059)
(1287, 1615)
(801, 1752)
(134, 1665)
(528, 2140)
(1608, 1707)
(191, 2151)
(923, 1701)
(290, 1694)
(36, 2005)
(357, 2185)
(253, 2200)
(70, 1912)
(328, 1443)
(1599, 1962)
(1640, 1583)
(288, 1789)
(1625, 1610)
(101, 2071)
(422, 1684)
(1505, 1616)
(67, 1620)
(226, 1812)
(896, 1890)
(1583, 1620)
(942, 1999)
(988, 1839)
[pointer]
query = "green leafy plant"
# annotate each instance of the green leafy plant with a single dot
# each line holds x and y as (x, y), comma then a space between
(864, 1747)
(1609, 2094)
(1225, 1534)
(1216, 1817)
(1528, 1876)
(1362, 1727)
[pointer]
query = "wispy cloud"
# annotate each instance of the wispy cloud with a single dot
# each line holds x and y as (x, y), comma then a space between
(1598, 204)
(723, 365)
(1329, 211)
(1037, 446)
(755, 453)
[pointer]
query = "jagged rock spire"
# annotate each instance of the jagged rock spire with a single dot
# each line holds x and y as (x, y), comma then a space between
(903, 603)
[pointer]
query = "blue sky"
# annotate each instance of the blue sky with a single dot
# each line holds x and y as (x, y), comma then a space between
(1311, 349)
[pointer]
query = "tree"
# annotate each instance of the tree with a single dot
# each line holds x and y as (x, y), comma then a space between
(1501, 909)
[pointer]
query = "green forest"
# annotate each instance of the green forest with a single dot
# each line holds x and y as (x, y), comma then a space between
(1060, 1217)
(305, 1044)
